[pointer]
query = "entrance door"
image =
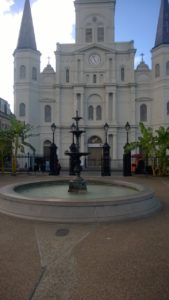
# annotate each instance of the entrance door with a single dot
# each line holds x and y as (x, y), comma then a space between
(95, 151)
(94, 159)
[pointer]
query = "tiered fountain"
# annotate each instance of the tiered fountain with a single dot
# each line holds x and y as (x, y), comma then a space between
(77, 185)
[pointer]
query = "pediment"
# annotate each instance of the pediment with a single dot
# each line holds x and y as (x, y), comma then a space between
(95, 47)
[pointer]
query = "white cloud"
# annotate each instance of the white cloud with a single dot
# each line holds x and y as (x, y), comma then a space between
(53, 21)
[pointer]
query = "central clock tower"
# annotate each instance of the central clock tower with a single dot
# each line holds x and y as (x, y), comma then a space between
(95, 21)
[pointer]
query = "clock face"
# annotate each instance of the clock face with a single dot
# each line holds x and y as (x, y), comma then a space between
(94, 59)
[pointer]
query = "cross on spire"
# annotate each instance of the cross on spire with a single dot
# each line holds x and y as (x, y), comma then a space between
(48, 60)
(142, 57)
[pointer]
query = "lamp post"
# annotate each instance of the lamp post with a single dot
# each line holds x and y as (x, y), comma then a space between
(106, 128)
(127, 154)
(54, 165)
(72, 158)
(53, 128)
(105, 169)
(127, 127)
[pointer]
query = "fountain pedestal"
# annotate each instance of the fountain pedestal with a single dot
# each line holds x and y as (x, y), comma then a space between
(78, 185)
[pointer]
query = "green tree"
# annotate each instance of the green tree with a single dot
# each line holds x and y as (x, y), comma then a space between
(162, 145)
(16, 135)
(4, 148)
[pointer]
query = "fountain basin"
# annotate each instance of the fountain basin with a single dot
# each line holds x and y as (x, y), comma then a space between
(137, 203)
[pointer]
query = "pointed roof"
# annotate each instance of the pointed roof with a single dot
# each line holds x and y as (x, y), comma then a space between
(162, 35)
(26, 38)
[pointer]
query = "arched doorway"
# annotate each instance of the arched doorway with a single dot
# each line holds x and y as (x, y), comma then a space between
(95, 151)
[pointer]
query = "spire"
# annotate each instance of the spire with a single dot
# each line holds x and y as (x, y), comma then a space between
(162, 35)
(26, 38)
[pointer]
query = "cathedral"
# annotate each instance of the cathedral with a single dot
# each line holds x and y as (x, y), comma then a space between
(94, 76)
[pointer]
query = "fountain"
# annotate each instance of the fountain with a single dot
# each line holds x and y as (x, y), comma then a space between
(78, 185)
(101, 201)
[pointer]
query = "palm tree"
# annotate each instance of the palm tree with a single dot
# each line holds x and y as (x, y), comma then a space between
(146, 142)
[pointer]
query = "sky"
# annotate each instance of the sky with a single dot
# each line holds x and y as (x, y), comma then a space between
(54, 22)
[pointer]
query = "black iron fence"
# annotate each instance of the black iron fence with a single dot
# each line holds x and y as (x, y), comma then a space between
(29, 163)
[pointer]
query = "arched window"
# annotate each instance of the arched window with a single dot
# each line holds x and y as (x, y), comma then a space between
(98, 112)
(167, 68)
(22, 72)
(157, 70)
(122, 74)
(90, 112)
(47, 113)
(34, 73)
(46, 149)
(22, 110)
(143, 112)
(67, 75)
(168, 108)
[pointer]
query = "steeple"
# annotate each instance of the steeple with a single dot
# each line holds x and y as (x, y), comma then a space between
(26, 38)
(162, 35)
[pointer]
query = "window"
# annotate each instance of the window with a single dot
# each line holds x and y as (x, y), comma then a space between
(94, 78)
(5, 108)
(22, 110)
(157, 70)
(90, 112)
(122, 74)
(143, 112)
(88, 35)
(167, 68)
(100, 34)
(168, 108)
(22, 73)
(47, 113)
(98, 112)
(34, 73)
(67, 75)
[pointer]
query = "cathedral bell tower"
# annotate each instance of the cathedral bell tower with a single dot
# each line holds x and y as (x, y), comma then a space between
(160, 68)
(26, 71)
(94, 21)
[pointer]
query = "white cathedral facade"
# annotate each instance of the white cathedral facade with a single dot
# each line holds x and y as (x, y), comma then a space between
(94, 76)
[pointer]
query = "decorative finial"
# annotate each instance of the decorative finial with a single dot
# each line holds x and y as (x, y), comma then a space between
(48, 60)
(142, 56)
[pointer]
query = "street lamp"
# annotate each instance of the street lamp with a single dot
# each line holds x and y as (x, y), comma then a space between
(72, 158)
(127, 127)
(106, 128)
(106, 169)
(53, 128)
(54, 163)
(127, 154)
